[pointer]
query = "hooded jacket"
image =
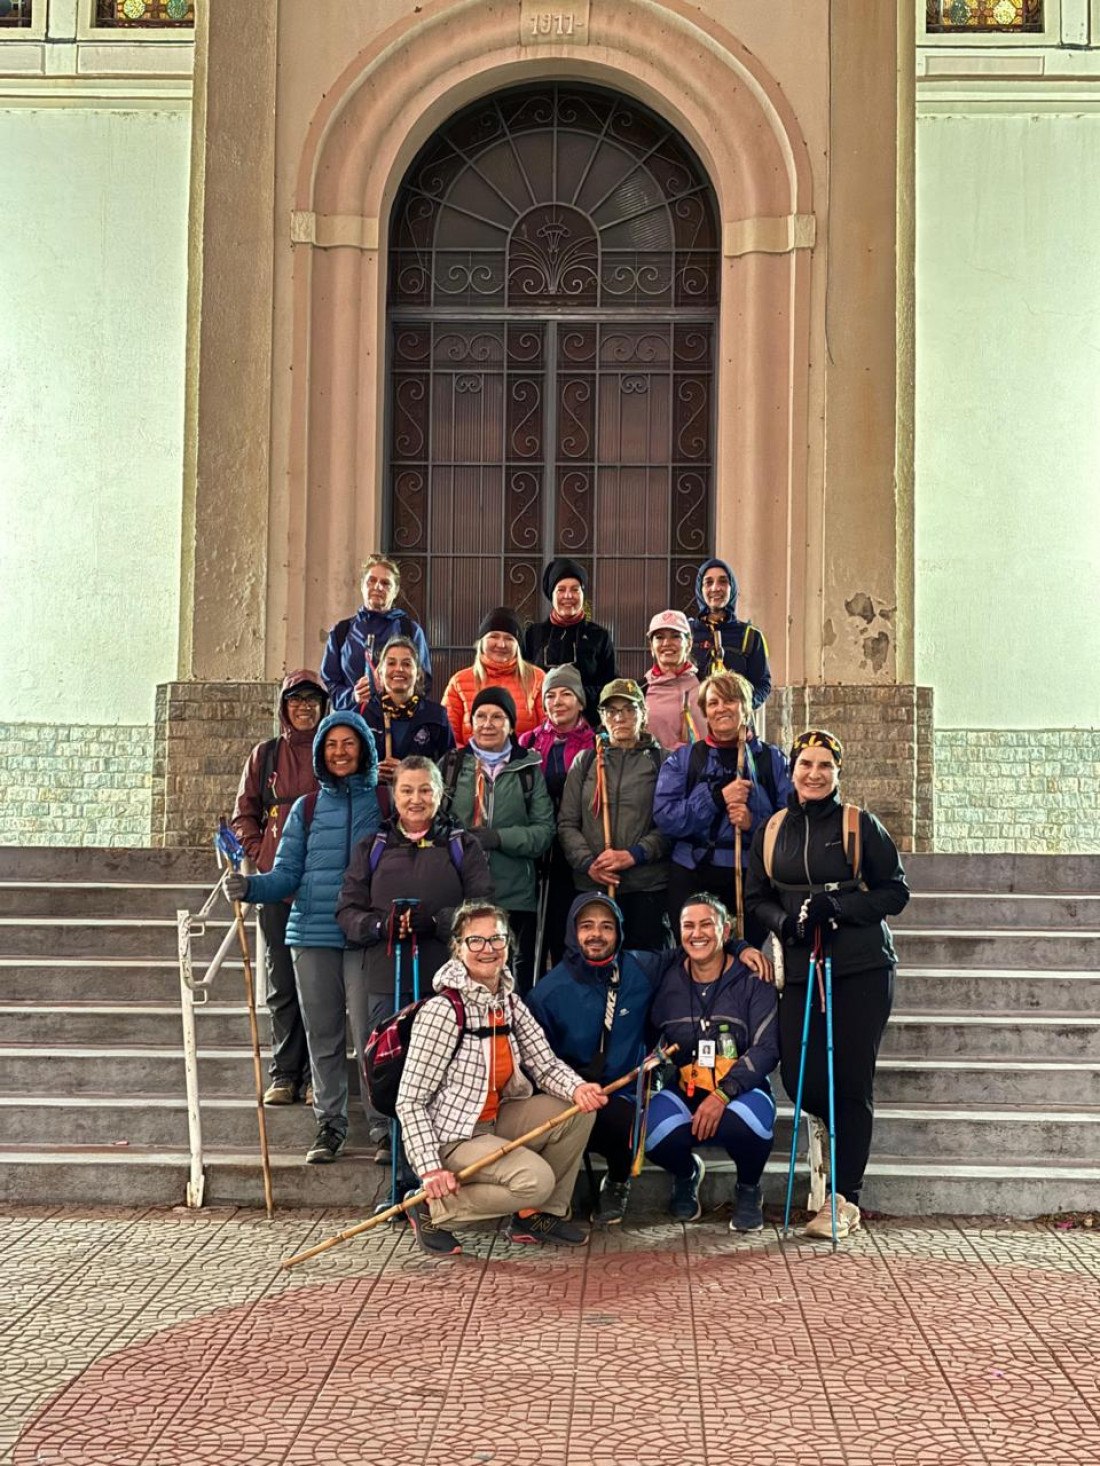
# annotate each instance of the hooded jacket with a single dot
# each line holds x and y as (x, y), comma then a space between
(744, 649)
(570, 1003)
(664, 700)
(631, 786)
(695, 817)
(445, 1081)
(524, 831)
(587, 645)
(312, 858)
(259, 814)
(458, 698)
(809, 856)
(349, 641)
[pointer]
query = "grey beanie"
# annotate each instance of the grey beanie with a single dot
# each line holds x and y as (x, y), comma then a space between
(565, 676)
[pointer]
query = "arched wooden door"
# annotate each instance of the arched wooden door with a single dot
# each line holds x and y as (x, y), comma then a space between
(553, 295)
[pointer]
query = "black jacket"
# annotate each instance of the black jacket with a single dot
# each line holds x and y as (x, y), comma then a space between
(587, 646)
(810, 853)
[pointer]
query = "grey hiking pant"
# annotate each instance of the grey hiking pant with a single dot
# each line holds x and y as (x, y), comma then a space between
(332, 993)
(289, 1052)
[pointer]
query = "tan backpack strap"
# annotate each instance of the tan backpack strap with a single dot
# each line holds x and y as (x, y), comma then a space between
(853, 839)
(771, 834)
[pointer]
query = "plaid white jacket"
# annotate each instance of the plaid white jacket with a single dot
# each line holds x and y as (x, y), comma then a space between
(443, 1092)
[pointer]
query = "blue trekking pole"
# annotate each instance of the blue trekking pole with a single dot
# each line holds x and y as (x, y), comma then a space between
(798, 1101)
(832, 1087)
(394, 1197)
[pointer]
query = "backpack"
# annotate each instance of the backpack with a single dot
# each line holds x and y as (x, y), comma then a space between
(378, 849)
(852, 835)
(450, 767)
(697, 762)
(387, 1048)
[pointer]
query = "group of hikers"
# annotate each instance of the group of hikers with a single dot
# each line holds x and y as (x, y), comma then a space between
(578, 868)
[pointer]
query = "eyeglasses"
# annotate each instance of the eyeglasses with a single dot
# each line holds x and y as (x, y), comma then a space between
(613, 715)
(304, 697)
(496, 943)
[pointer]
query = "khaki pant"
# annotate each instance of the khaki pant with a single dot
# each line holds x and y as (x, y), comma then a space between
(540, 1175)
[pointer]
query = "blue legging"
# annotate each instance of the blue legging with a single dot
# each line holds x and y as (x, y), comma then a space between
(745, 1131)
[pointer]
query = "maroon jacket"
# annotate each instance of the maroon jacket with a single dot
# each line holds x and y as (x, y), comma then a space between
(259, 815)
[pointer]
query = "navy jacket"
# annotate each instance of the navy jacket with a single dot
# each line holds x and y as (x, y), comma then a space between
(345, 659)
(744, 649)
(427, 732)
(311, 859)
(738, 999)
(695, 819)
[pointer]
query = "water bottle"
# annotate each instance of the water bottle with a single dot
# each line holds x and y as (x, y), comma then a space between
(727, 1048)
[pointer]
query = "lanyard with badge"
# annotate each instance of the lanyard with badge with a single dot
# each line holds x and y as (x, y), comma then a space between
(706, 1049)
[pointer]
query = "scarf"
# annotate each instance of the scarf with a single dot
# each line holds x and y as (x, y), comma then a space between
(556, 619)
(487, 765)
(395, 711)
(656, 675)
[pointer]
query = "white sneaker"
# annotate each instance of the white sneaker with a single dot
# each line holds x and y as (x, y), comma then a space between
(848, 1220)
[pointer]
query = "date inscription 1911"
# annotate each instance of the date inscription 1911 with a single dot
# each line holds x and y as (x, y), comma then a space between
(563, 23)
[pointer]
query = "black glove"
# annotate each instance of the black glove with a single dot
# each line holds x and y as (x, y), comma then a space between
(819, 912)
(488, 839)
(236, 886)
(421, 921)
(790, 933)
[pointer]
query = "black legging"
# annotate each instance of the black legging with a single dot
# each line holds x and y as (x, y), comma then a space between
(861, 1007)
(612, 1134)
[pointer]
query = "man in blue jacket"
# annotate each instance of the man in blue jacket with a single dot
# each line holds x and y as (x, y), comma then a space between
(355, 644)
(722, 643)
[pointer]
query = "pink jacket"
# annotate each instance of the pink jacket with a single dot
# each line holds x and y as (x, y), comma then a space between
(664, 700)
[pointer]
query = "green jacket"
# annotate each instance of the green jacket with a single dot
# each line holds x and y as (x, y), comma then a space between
(631, 781)
(523, 822)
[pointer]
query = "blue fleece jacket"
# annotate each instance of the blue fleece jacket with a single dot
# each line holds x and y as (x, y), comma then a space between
(739, 1001)
(312, 858)
(744, 649)
(695, 818)
(345, 659)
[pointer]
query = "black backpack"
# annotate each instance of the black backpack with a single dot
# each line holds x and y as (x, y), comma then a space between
(450, 766)
(697, 762)
(386, 1050)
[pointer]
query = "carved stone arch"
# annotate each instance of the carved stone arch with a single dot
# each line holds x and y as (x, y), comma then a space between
(375, 117)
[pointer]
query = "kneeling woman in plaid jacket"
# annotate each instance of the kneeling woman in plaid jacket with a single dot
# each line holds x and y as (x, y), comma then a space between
(464, 1090)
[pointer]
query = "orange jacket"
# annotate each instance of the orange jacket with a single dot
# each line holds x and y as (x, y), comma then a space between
(463, 688)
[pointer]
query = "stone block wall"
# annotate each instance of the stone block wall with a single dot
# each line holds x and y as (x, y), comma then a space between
(203, 734)
(75, 784)
(1034, 792)
(889, 758)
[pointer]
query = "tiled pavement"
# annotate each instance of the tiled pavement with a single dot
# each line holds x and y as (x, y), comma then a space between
(142, 1338)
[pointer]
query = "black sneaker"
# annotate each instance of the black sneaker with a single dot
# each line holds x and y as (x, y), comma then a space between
(435, 1241)
(748, 1209)
(685, 1205)
(326, 1147)
(542, 1228)
(614, 1196)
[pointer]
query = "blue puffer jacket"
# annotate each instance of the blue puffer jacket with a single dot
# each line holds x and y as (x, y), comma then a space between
(311, 860)
(349, 641)
(744, 649)
(691, 811)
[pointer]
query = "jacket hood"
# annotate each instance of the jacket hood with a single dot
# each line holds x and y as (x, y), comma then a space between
(368, 755)
(453, 975)
(295, 681)
(715, 564)
(573, 954)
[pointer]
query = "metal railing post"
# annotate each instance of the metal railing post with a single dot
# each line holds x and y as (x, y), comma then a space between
(196, 1183)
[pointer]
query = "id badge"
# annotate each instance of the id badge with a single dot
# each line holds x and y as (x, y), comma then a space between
(707, 1053)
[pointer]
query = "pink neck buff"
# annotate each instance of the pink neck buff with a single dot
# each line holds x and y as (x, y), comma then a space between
(557, 619)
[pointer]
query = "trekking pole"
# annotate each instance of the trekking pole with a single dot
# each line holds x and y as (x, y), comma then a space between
(738, 874)
(542, 874)
(228, 844)
(605, 810)
(798, 1101)
(651, 1061)
(395, 1138)
(832, 1087)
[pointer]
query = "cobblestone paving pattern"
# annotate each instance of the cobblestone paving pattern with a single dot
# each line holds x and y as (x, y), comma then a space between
(151, 1338)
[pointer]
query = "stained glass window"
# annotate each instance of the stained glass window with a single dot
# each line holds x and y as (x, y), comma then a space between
(15, 12)
(137, 13)
(945, 17)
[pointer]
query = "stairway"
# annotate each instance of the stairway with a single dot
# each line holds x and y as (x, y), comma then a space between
(988, 1095)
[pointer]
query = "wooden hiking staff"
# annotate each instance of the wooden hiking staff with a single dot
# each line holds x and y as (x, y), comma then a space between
(651, 1061)
(257, 1073)
(605, 811)
(738, 877)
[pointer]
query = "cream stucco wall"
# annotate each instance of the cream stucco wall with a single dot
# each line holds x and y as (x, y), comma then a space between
(92, 333)
(1008, 418)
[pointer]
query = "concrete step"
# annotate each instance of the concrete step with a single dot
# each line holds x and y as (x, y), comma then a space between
(104, 979)
(85, 1024)
(999, 1035)
(982, 910)
(895, 1185)
(130, 1069)
(981, 1080)
(993, 990)
(30, 899)
(159, 1121)
(1008, 874)
(1006, 947)
(106, 863)
(67, 936)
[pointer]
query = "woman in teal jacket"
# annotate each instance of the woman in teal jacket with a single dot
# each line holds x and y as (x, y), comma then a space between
(496, 790)
(321, 831)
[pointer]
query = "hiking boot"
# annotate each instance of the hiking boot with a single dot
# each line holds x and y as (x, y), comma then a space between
(614, 1196)
(435, 1241)
(306, 1094)
(848, 1220)
(685, 1205)
(326, 1147)
(279, 1093)
(543, 1228)
(748, 1209)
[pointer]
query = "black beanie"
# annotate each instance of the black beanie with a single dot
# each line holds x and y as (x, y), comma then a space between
(501, 619)
(562, 569)
(497, 697)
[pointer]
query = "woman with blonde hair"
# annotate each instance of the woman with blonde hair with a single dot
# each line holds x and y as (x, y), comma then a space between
(498, 662)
